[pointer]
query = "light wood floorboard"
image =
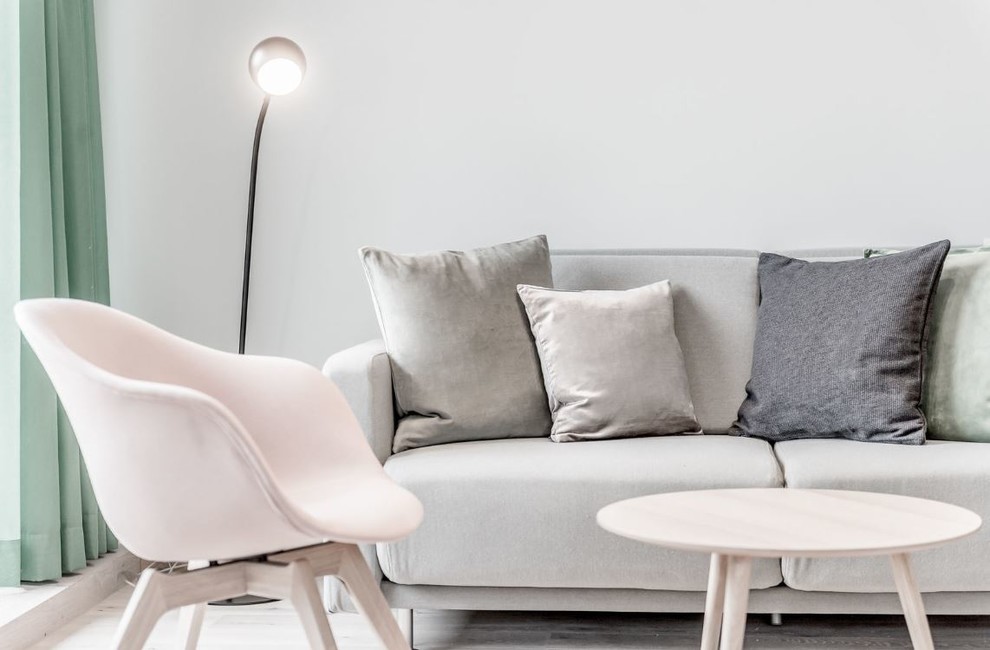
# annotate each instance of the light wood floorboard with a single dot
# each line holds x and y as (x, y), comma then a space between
(276, 625)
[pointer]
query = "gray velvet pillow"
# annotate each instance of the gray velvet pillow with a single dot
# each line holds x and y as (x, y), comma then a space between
(464, 366)
(839, 348)
(611, 362)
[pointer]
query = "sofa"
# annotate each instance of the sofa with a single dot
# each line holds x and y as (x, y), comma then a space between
(510, 524)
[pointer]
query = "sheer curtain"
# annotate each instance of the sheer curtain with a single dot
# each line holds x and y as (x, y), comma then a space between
(10, 256)
(49, 521)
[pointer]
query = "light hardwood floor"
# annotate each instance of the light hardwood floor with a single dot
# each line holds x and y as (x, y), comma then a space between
(276, 625)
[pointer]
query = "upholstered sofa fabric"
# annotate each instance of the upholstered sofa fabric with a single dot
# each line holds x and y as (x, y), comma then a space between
(521, 513)
(715, 300)
(464, 366)
(840, 348)
(611, 362)
(953, 472)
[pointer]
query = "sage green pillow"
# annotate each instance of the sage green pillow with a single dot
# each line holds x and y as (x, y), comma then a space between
(956, 394)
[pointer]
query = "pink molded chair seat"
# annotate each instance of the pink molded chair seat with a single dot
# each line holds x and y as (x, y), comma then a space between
(197, 454)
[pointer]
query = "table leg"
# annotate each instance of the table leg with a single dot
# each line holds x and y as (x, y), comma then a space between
(714, 602)
(911, 603)
(736, 602)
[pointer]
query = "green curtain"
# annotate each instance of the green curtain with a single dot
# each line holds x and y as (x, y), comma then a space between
(62, 252)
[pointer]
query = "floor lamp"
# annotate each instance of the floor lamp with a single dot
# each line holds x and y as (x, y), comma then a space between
(277, 65)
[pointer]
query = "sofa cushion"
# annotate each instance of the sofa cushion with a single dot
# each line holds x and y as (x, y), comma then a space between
(839, 348)
(611, 362)
(521, 512)
(715, 301)
(464, 366)
(953, 472)
(956, 396)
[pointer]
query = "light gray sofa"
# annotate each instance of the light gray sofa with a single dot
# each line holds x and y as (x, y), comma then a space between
(510, 524)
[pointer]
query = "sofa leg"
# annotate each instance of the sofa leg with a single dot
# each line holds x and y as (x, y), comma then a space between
(404, 617)
(776, 619)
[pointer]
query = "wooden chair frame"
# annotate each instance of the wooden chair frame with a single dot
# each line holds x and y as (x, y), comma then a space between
(289, 575)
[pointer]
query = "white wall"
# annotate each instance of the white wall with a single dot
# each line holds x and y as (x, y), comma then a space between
(427, 124)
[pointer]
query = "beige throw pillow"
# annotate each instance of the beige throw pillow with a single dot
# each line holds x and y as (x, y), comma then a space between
(464, 366)
(611, 362)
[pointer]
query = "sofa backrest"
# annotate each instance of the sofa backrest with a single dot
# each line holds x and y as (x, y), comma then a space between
(716, 295)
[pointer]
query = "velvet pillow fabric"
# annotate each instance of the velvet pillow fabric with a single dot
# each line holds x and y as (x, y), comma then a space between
(839, 349)
(464, 366)
(611, 361)
(956, 395)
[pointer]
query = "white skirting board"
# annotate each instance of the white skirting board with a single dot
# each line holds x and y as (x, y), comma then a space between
(27, 616)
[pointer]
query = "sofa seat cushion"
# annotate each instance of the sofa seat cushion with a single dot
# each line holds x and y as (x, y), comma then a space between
(521, 512)
(953, 472)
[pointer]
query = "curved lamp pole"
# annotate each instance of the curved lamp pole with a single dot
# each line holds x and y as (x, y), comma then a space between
(277, 65)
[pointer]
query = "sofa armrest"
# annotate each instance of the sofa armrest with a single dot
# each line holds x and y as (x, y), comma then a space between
(364, 375)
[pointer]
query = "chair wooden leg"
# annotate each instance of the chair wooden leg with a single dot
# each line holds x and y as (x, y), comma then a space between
(306, 599)
(190, 624)
(191, 616)
(368, 598)
(145, 607)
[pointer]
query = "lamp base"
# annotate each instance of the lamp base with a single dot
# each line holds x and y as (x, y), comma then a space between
(244, 600)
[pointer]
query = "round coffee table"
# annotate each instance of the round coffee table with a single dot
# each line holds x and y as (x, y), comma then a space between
(737, 525)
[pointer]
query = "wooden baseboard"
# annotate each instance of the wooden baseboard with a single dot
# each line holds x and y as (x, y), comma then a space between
(41, 609)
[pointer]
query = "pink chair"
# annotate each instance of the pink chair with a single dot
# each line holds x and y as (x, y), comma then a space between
(253, 468)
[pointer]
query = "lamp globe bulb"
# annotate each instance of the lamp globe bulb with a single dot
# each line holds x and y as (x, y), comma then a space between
(277, 65)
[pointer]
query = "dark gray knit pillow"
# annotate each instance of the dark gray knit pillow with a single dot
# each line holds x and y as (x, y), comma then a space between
(839, 348)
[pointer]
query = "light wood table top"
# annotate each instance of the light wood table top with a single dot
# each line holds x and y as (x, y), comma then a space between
(776, 522)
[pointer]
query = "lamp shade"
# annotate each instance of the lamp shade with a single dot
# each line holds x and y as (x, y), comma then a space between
(277, 65)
